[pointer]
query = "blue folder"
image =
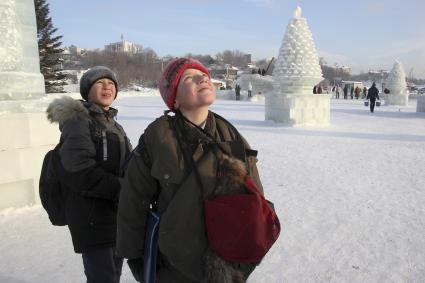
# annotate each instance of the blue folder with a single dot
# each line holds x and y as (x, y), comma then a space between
(151, 247)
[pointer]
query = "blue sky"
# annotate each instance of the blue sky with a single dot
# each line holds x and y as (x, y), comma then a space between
(362, 34)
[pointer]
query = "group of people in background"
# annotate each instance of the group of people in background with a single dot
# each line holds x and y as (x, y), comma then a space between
(260, 71)
(318, 89)
(238, 91)
(371, 94)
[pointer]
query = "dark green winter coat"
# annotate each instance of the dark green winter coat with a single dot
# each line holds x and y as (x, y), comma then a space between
(94, 146)
(159, 169)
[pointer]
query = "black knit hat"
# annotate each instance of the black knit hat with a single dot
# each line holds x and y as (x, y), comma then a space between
(94, 74)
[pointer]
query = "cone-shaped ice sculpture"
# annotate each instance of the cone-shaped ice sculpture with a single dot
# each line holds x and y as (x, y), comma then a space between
(296, 72)
(20, 76)
(297, 67)
(396, 84)
(26, 135)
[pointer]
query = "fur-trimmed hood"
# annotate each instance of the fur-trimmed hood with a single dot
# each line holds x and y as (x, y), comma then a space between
(66, 108)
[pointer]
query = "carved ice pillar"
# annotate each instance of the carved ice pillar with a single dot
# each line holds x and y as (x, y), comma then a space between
(296, 72)
(20, 76)
(26, 134)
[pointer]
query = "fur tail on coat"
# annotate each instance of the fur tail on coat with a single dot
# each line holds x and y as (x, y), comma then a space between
(231, 179)
(218, 270)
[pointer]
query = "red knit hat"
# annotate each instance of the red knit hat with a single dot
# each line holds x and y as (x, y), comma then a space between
(171, 77)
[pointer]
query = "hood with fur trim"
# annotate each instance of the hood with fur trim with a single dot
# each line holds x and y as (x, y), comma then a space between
(66, 108)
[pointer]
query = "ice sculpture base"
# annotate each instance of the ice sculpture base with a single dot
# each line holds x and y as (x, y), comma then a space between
(401, 100)
(26, 137)
(298, 110)
(420, 104)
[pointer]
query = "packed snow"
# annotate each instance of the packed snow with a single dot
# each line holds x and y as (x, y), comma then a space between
(350, 197)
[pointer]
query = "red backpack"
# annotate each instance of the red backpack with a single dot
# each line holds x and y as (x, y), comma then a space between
(243, 227)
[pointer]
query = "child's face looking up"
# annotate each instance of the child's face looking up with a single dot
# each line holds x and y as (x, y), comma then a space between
(194, 90)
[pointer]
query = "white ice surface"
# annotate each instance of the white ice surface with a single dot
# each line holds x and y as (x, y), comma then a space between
(350, 197)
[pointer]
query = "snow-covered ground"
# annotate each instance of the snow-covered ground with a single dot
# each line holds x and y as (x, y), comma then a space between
(350, 198)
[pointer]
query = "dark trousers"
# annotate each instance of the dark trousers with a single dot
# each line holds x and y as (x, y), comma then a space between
(372, 105)
(102, 266)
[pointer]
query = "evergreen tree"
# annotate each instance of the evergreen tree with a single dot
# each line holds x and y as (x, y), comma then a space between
(49, 49)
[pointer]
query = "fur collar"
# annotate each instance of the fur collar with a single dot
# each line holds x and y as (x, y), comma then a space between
(66, 108)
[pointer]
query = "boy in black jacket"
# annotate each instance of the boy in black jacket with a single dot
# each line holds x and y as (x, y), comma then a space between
(94, 146)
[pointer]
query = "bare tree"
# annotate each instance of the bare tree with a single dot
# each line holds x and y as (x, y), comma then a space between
(235, 58)
(141, 68)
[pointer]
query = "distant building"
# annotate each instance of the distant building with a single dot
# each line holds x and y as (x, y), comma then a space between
(123, 46)
(247, 58)
(226, 72)
(66, 54)
(379, 72)
(345, 69)
(74, 50)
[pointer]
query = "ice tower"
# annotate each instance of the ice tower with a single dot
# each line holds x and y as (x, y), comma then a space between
(296, 72)
(20, 76)
(396, 83)
(25, 133)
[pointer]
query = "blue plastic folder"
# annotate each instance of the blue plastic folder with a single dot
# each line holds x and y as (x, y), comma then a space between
(151, 247)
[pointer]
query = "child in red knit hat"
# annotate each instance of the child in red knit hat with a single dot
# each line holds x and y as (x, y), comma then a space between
(185, 86)
(178, 163)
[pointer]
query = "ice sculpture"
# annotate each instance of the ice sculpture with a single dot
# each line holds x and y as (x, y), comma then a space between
(26, 134)
(20, 76)
(396, 84)
(296, 72)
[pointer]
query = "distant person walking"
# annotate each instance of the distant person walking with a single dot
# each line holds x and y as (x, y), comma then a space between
(352, 92)
(357, 92)
(364, 92)
(238, 92)
(345, 91)
(337, 90)
(249, 89)
(372, 95)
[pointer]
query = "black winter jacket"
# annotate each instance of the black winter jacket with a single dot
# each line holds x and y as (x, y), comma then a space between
(94, 147)
(373, 93)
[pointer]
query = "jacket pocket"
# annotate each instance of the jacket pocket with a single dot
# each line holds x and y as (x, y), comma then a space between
(102, 213)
